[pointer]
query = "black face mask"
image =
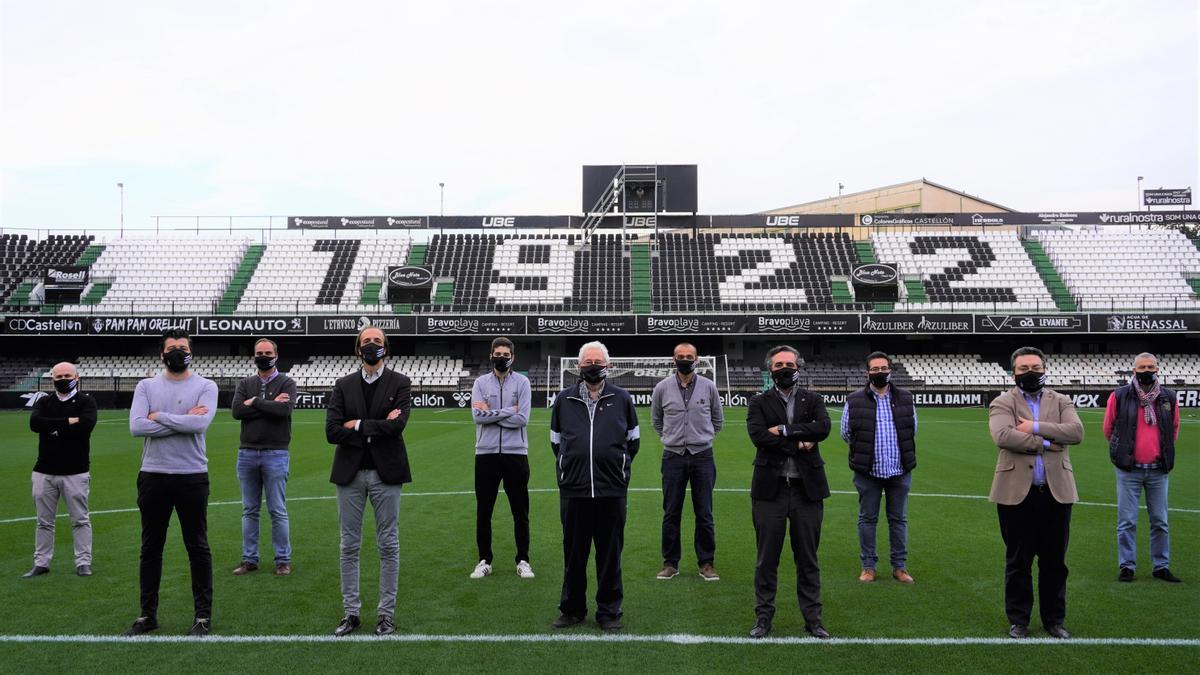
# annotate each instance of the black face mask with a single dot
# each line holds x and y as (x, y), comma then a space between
(1146, 378)
(593, 373)
(1031, 382)
(502, 363)
(372, 353)
(685, 366)
(785, 378)
(265, 363)
(177, 360)
(880, 380)
(65, 387)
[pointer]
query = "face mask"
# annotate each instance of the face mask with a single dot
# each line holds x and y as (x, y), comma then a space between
(502, 363)
(1146, 378)
(685, 366)
(372, 353)
(880, 380)
(65, 386)
(593, 373)
(786, 378)
(1031, 382)
(265, 363)
(177, 360)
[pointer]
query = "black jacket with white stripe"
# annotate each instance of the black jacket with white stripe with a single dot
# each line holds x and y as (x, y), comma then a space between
(594, 447)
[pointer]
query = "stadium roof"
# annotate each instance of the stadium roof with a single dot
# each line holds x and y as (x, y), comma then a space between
(831, 204)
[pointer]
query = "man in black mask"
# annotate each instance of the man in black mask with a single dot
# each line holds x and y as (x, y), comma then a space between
(786, 423)
(594, 435)
(879, 423)
(63, 422)
(368, 411)
(685, 410)
(1033, 488)
(263, 403)
(500, 404)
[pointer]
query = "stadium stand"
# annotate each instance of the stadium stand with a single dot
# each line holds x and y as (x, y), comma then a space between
(323, 275)
(529, 273)
(1145, 270)
(941, 370)
(424, 371)
(18, 373)
(23, 261)
(716, 272)
(163, 275)
(958, 272)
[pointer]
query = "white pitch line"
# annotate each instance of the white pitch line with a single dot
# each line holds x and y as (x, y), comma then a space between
(679, 639)
(453, 493)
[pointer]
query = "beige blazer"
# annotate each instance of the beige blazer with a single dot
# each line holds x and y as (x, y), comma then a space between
(1057, 422)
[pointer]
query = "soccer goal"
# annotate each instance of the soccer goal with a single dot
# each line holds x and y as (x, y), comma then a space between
(637, 374)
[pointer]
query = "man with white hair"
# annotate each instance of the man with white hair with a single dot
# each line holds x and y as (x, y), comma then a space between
(1141, 424)
(594, 435)
(63, 422)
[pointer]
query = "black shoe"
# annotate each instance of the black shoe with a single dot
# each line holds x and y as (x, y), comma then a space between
(349, 624)
(1126, 575)
(1164, 573)
(201, 628)
(143, 625)
(566, 621)
(84, 570)
(1018, 632)
(818, 631)
(1057, 631)
(385, 626)
(610, 625)
(761, 629)
(37, 571)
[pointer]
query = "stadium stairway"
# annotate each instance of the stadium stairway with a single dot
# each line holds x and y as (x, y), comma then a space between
(370, 293)
(416, 254)
(444, 293)
(1054, 283)
(241, 279)
(95, 293)
(20, 294)
(90, 255)
(640, 282)
(915, 290)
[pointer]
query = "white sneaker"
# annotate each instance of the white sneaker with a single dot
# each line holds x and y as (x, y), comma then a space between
(524, 570)
(481, 570)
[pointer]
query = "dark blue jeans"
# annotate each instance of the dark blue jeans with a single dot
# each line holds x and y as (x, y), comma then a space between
(870, 489)
(677, 471)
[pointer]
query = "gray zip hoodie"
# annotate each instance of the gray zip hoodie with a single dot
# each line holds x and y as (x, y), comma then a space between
(501, 428)
(690, 427)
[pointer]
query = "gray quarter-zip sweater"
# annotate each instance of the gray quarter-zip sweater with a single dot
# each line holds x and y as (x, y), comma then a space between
(686, 427)
(501, 428)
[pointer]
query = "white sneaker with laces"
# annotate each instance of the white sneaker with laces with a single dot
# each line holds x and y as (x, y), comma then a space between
(481, 570)
(524, 570)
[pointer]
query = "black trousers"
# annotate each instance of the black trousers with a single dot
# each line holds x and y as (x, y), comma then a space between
(187, 495)
(677, 472)
(1037, 527)
(599, 520)
(790, 512)
(513, 471)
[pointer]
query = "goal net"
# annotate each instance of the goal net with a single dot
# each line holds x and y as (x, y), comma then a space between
(636, 374)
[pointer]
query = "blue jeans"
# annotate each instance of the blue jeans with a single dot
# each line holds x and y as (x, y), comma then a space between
(1129, 489)
(262, 471)
(870, 489)
(677, 471)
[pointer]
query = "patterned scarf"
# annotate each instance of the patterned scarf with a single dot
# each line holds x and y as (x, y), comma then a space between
(1147, 399)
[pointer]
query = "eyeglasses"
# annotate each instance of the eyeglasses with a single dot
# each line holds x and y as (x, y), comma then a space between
(884, 369)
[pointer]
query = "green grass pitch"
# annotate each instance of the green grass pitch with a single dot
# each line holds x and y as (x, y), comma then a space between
(955, 553)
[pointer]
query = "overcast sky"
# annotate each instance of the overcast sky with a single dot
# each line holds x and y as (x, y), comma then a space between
(362, 108)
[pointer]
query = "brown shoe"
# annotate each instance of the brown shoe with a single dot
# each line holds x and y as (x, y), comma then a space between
(708, 573)
(668, 572)
(283, 569)
(245, 568)
(867, 576)
(902, 576)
